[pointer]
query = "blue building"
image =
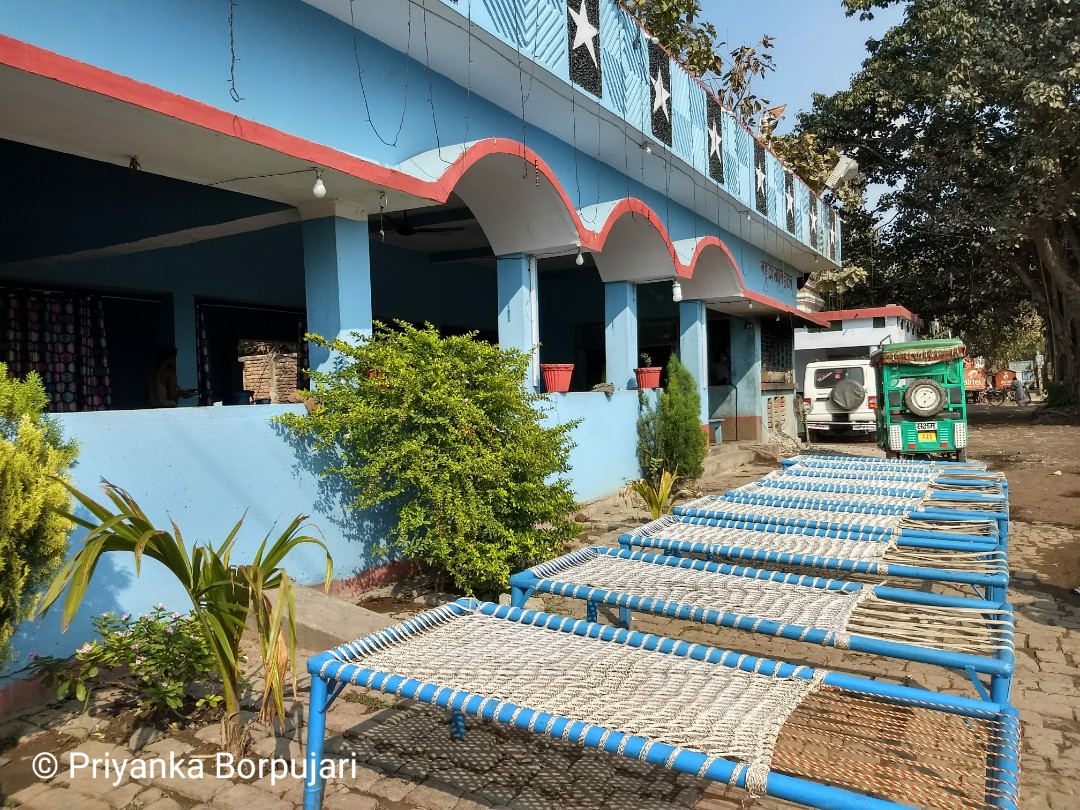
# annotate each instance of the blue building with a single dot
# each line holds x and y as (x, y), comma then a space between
(213, 178)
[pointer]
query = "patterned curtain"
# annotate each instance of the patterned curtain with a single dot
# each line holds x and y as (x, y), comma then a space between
(202, 351)
(61, 336)
(302, 358)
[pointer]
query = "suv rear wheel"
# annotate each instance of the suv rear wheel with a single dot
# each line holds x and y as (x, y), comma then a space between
(924, 398)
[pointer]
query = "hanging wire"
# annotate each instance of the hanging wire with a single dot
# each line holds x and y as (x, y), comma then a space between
(232, 53)
(360, 75)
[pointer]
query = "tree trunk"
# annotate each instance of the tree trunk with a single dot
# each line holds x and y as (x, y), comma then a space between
(1060, 271)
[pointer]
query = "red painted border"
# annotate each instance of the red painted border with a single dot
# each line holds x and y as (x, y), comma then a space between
(887, 311)
(47, 64)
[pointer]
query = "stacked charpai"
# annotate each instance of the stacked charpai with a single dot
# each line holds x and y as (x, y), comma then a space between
(823, 535)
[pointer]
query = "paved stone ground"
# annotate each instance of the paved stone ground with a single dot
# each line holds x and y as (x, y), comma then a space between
(406, 759)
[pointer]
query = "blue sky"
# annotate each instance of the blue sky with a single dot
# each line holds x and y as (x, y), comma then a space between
(817, 48)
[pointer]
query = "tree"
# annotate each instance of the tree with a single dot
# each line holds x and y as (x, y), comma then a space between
(682, 441)
(970, 111)
(444, 429)
(34, 463)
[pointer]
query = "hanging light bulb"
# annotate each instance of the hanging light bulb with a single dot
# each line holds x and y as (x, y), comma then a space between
(749, 304)
(778, 317)
(676, 291)
(319, 190)
(580, 260)
(747, 214)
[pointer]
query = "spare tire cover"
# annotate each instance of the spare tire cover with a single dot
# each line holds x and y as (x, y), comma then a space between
(848, 395)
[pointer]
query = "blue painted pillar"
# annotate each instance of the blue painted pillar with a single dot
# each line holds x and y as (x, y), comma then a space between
(184, 339)
(519, 324)
(746, 375)
(693, 342)
(620, 333)
(337, 278)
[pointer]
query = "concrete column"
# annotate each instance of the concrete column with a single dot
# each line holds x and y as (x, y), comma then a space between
(620, 333)
(184, 339)
(337, 278)
(693, 348)
(519, 319)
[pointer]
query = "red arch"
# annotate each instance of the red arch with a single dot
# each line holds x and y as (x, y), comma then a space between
(38, 61)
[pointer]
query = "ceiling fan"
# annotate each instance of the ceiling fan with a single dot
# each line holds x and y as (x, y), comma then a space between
(403, 228)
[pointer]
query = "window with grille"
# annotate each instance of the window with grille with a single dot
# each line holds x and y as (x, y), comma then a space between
(777, 356)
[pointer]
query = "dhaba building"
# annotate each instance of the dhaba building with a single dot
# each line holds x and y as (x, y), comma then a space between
(227, 177)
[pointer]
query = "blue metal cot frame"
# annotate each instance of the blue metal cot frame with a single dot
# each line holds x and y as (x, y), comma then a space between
(744, 518)
(886, 469)
(810, 484)
(876, 477)
(994, 586)
(869, 461)
(544, 578)
(736, 502)
(329, 675)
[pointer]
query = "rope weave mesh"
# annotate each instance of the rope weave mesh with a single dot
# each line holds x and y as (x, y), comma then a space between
(905, 753)
(979, 631)
(822, 552)
(760, 513)
(691, 705)
(930, 482)
(783, 602)
(780, 486)
(838, 457)
(814, 545)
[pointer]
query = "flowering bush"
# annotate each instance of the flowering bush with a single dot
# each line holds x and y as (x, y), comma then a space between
(159, 656)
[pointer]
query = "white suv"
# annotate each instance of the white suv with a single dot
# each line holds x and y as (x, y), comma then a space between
(840, 396)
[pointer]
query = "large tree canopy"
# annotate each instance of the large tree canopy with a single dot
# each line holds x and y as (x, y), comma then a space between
(969, 111)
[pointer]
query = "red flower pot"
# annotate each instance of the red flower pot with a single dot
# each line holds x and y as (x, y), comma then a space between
(557, 377)
(648, 377)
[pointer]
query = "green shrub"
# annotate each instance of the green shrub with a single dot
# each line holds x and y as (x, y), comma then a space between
(649, 455)
(34, 461)
(444, 429)
(159, 657)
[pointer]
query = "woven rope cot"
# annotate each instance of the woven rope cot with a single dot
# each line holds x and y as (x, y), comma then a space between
(915, 471)
(838, 515)
(766, 726)
(839, 457)
(878, 552)
(960, 498)
(785, 605)
(933, 481)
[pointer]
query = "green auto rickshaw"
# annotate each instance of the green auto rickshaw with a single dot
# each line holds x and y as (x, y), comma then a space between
(922, 410)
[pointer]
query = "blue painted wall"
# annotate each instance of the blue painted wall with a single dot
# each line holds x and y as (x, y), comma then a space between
(202, 468)
(605, 458)
(296, 64)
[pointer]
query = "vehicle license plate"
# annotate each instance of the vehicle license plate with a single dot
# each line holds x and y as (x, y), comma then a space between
(814, 426)
(927, 437)
(864, 427)
(926, 426)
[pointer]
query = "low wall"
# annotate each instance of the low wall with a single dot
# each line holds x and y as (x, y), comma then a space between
(204, 468)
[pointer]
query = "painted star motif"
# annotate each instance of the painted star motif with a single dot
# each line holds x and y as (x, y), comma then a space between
(790, 200)
(660, 94)
(584, 31)
(813, 221)
(760, 174)
(714, 142)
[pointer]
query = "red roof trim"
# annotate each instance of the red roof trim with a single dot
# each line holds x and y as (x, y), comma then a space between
(890, 310)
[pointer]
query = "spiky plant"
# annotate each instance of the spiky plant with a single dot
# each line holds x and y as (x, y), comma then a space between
(223, 594)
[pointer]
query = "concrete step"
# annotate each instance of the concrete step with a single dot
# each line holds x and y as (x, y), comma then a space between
(324, 621)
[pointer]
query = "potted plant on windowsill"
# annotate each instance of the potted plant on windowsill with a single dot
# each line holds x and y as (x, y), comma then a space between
(648, 376)
(557, 377)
